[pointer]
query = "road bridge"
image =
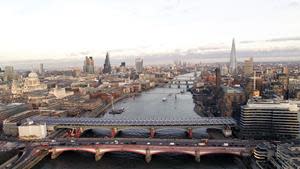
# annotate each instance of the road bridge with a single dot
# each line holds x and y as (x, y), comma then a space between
(82, 124)
(37, 150)
(151, 147)
(188, 81)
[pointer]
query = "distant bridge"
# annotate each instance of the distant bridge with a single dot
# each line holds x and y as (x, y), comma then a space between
(187, 81)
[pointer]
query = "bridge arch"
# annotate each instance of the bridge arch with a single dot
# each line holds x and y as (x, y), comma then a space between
(94, 150)
(233, 153)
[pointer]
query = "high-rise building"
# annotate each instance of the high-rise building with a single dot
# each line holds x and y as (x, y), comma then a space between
(88, 66)
(233, 62)
(224, 70)
(285, 70)
(107, 67)
(248, 67)
(218, 77)
(265, 118)
(41, 69)
(139, 65)
(123, 64)
(9, 73)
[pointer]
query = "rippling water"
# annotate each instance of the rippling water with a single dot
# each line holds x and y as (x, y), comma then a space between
(148, 105)
(76, 160)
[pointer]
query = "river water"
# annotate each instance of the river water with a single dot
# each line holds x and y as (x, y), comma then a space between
(147, 105)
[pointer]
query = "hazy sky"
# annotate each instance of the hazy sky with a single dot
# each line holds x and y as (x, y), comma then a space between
(39, 29)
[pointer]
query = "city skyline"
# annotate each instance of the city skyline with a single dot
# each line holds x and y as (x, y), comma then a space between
(42, 30)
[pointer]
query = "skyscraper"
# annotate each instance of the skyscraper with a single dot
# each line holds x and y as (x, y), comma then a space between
(9, 73)
(41, 69)
(88, 66)
(233, 63)
(248, 67)
(139, 65)
(218, 77)
(123, 64)
(107, 67)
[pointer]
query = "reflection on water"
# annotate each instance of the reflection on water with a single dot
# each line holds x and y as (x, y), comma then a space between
(150, 105)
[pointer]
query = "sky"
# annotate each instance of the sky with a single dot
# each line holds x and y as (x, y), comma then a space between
(58, 29)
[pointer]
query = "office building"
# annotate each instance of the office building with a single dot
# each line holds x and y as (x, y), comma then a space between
(41, 69)
(123, 64)
(218, 77)
(248, 67)
(9, 73)
(139, 65)
(88, 66)
(268, 118)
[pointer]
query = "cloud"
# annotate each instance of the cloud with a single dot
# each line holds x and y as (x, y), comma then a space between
(294, 4)
(284, 39)
(248, 41)
(84, 53)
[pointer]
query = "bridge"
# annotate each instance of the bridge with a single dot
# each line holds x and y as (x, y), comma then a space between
(82, 124)
(37, 150)
(188, 81)
(147, 147)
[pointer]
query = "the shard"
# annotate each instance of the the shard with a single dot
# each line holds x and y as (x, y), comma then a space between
(233, 63)
(107, 67)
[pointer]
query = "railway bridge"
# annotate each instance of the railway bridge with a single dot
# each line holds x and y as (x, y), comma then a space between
(79, 125)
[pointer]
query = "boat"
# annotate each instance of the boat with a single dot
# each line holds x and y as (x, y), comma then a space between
(117, 111)
(164, 99)
(182, 91)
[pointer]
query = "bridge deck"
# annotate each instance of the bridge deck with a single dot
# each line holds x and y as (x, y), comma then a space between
(207, 121)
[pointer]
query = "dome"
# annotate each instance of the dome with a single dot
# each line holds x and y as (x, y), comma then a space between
(33, 75)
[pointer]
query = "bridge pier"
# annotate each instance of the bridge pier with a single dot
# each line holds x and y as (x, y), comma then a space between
(190, 132)
(114, 132)
(98, 154)
(148, 156)
(197, 156)
(55, 154)
(152, 132)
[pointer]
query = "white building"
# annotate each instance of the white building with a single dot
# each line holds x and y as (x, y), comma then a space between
(32, 131)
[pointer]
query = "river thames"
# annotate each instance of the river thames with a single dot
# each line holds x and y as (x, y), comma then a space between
(149, 104)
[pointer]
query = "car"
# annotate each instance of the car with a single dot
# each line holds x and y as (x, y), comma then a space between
(201, 144)
(225, 144)
(148, 143)
(172, 144)
(53, 141)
